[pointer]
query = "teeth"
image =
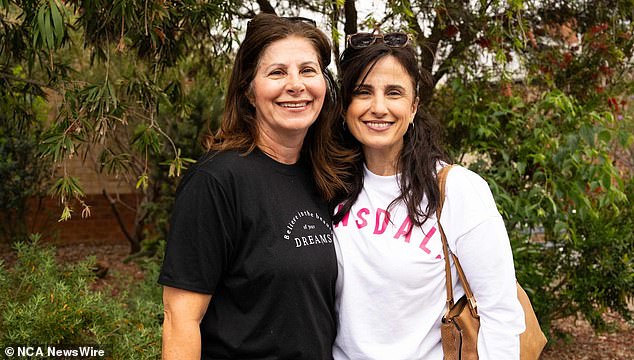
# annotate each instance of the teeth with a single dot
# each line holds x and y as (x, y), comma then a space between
(293, 105)
(378, 124)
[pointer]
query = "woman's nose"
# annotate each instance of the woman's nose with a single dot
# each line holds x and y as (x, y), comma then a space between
(378, 106)
(295, 84)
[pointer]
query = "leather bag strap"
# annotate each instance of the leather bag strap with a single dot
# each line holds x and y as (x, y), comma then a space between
(473, 307)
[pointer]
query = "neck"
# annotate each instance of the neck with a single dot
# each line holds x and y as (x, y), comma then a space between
(281, 156)
(380, 165)
(285, 153)
(382, 160)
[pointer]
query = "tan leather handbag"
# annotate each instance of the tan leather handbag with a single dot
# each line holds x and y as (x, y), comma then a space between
(460, 324)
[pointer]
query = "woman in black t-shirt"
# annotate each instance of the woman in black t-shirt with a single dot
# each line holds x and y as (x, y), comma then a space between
(250, 268)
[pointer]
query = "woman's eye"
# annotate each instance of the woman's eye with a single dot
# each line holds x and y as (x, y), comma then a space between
(277, 72)
(394, 93)
(309, 70)
(360, 92)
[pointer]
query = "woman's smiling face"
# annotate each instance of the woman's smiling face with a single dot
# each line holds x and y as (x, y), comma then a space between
(288, 89)
(382, 108)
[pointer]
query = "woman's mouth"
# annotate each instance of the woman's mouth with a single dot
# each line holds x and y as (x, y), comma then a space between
(378, 125)
(294, 105)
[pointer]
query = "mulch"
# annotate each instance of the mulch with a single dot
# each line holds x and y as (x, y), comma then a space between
(582, 343)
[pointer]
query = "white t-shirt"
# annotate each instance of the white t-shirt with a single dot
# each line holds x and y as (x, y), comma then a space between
(391, 285)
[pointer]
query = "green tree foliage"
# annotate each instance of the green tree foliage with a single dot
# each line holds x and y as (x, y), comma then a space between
(136, 81)
(549, 162)
(24, 177)
(543, 120)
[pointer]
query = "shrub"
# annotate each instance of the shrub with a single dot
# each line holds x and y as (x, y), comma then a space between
(549, 162)
(42, 302)
(141, 336)
(600, 256)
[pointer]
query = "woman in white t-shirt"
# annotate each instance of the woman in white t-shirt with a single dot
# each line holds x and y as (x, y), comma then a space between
(391, 281)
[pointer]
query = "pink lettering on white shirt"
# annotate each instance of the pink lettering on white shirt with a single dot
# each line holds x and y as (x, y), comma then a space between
(360, 215)
(405, 229)
(423, 244)
(386, 220)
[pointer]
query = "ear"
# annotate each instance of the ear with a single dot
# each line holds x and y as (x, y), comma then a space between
(414, 108)
(250, 95)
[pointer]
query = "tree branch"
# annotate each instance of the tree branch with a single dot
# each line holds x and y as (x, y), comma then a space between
(134, 244)
(456, 51)
(266, 7)
(466, 25)
(312, 8)
(428, 46)
(8, 76)
(334, 22)
(350, 13)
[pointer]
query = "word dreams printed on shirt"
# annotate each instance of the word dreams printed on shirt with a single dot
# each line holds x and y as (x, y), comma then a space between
(381, 221)
(308, 228)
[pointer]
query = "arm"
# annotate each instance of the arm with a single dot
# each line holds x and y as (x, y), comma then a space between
(477, 235)
(183, 312)
(487, 260)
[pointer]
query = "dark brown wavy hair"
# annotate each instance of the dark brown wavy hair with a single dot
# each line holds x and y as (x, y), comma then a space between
(422, 149)
(239, 129)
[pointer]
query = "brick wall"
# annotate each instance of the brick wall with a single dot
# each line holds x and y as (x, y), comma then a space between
(101, 227)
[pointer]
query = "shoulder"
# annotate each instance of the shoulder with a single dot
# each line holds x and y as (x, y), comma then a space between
(460, 178)
(230, 164)
(214, 161)
(218, 168)
(468, 203)
(469, 189)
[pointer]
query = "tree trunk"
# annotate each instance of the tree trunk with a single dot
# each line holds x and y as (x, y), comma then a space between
(135, 241)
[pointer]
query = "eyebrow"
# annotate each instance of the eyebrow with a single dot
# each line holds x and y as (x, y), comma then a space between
(396, 87)
(387, 88)
(274, 65)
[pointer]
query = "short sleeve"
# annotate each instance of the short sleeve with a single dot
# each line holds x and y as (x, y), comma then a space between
(199, 244)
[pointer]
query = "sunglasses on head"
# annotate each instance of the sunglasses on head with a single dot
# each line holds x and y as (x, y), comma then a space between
(362, 40)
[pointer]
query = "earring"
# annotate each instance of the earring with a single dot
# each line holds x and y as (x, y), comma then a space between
(343, 125)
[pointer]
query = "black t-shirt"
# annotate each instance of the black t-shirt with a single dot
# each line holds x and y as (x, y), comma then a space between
(254, 233)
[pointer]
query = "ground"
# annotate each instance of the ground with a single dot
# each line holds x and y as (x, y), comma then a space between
(582, 344)
(586, 345)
